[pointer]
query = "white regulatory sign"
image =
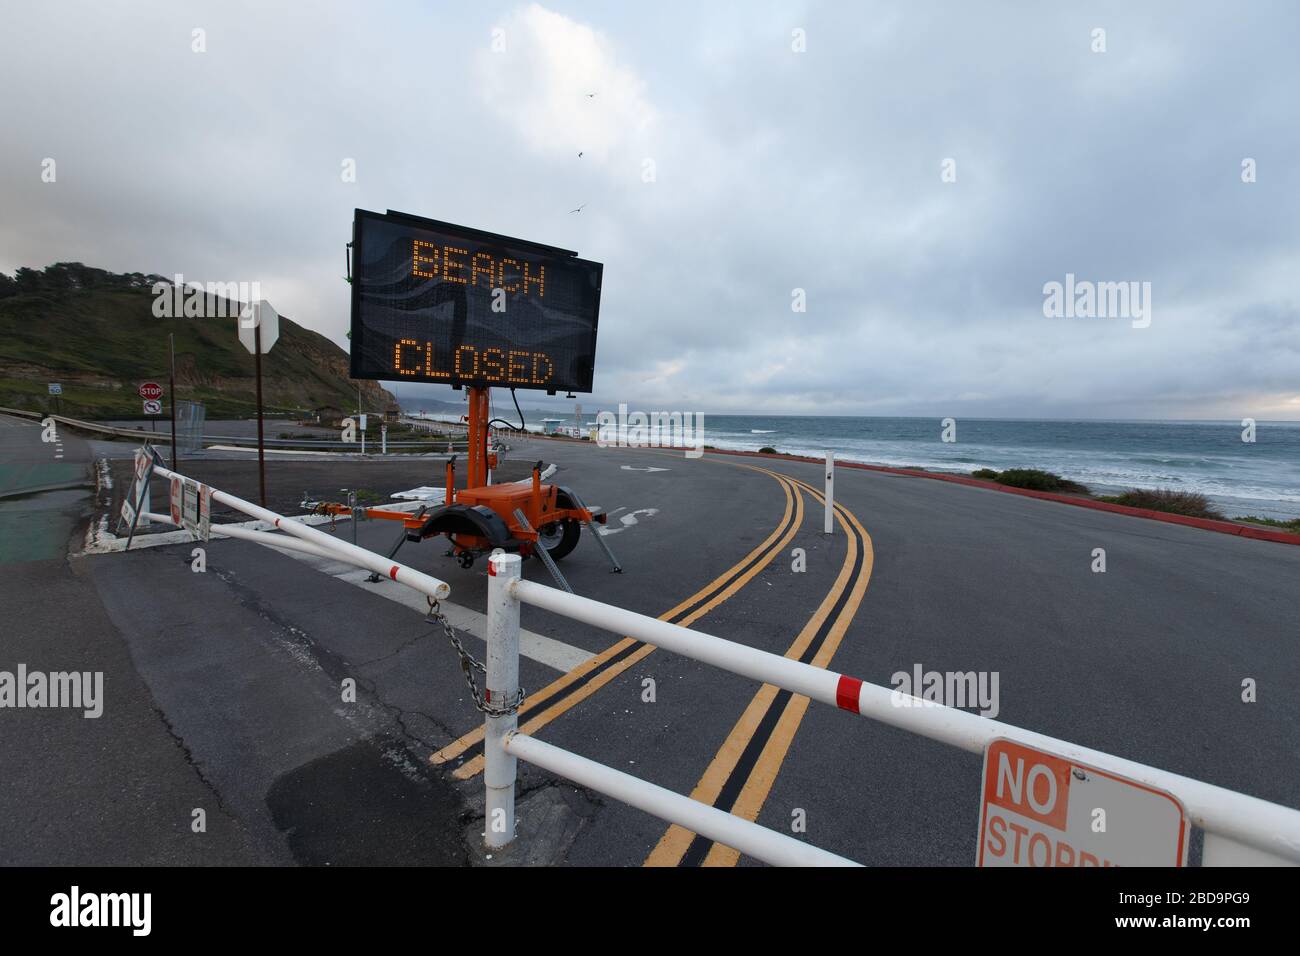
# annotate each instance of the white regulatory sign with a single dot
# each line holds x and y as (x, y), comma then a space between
(138, 489)
(141, 463)
(152, 407)
(1039, 809)
(259, 314)
(191, 506)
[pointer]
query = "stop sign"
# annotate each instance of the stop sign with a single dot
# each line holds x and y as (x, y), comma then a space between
(151, 391)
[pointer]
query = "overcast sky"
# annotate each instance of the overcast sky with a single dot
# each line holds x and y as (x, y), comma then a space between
(774, 170)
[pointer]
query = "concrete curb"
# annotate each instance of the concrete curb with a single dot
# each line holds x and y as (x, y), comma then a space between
(41, 489)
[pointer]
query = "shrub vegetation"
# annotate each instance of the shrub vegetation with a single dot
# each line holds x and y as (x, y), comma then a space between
(1188, 503)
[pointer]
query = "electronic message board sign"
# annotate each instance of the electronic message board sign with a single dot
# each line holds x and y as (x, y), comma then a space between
(434, 302)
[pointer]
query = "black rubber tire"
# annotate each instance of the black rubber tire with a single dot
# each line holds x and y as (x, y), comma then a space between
(559, 537)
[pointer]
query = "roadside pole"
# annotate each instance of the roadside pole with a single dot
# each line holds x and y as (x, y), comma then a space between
(502, 691)
(829, 527)
(171, 386)
(259, 330)
(261, 448)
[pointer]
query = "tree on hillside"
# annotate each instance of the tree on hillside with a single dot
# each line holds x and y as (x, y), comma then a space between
(70, 277)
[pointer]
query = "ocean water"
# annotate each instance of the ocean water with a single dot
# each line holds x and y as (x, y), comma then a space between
(1260, 478)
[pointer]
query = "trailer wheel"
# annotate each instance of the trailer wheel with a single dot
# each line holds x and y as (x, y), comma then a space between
(559, 537)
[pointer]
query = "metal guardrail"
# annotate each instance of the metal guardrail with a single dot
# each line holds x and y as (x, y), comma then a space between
(1239, 829)
(162, 438)
(86, 426)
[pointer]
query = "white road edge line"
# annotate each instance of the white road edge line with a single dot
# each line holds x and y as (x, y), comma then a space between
(103, 541)
(279, 451)
(544, 650)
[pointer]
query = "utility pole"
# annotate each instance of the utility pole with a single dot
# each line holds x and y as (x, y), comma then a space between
(171, 386)
(261, 449)
(259, 329)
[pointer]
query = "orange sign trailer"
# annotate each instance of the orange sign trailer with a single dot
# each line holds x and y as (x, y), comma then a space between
(527, 518)
(446, 304)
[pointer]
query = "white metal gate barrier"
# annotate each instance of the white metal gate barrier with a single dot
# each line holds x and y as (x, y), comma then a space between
(308, 540)
(1239, 829)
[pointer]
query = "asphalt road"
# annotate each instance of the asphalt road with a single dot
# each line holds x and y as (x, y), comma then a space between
(41, 484)
(242, 672)
(118, 788)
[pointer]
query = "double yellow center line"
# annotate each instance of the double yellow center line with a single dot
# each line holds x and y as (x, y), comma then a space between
(580, 683)
(742, 773)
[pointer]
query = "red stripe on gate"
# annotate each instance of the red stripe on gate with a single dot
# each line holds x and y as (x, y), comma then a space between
(393, 573)
(846, 694)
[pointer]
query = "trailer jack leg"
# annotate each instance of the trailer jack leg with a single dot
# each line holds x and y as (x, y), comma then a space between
(542, 553)
(600, 540)
(375, 578)
(595, 532)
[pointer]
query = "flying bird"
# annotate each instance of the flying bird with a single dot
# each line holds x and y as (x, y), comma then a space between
(580, 154)
(579, 209)
(590, 95)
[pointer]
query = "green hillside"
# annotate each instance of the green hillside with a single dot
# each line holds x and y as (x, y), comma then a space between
(95, 333)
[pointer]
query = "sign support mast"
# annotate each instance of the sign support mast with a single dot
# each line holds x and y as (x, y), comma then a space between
(477, 434)
(261, 448)
(171, 385)
(259, 329)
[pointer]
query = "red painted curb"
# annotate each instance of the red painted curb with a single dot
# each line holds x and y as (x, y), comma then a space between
(1205, 524)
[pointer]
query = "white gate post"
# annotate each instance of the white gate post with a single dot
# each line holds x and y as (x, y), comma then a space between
(502, 689)
(829, 527)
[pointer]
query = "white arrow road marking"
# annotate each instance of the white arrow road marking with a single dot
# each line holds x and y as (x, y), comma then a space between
(648, 468)
(629, 519)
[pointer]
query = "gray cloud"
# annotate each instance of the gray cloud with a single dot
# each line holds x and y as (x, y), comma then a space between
(774, 171)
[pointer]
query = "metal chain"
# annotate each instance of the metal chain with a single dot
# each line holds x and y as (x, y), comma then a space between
(469, 664)
(322, 508)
